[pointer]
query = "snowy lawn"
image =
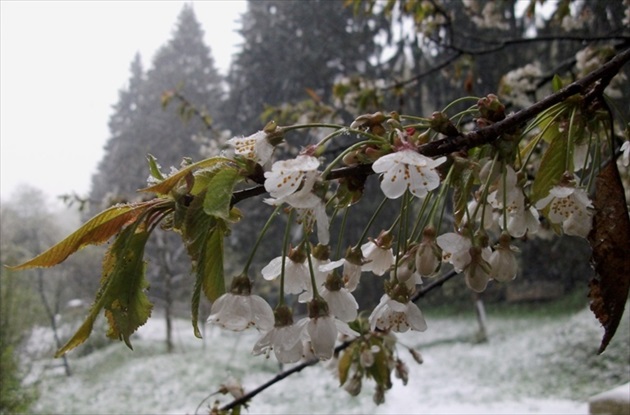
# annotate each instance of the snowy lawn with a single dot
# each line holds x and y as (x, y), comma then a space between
(531, 364)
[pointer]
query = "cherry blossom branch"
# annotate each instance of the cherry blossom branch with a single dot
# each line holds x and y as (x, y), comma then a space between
(295, 369)
(589, 85)
(478, 137)
(490, 133)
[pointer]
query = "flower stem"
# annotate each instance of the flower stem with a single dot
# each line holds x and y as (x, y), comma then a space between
(311, 271)
(484, 193)
(340, 157)
(420, 223)
(457, 101)
(285, 242)
(341, 230)
(370, 222)
(260, 236)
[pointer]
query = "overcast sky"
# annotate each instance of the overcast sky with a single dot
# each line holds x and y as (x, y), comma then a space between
(62, 65)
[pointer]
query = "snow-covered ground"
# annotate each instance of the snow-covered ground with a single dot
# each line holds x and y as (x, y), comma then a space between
(541, 365)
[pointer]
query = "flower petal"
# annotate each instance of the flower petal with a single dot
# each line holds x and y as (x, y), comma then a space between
(415, 318)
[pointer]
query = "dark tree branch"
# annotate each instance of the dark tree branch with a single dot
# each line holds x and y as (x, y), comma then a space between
(483, 135)
(492, 132)
(295, 369)
(497, 46)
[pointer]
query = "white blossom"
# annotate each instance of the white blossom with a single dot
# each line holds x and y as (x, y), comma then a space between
(428, 255)
(255, 147)
(472, 260)
(351, 270)
(509, 196)
(503, 264)
(297, 275)
(341, 303)
(288, 176)
(233, 387)
(455, 249)
(322, 332)
(519, 85)
(311, 209)
(491, 17)
(238, 312)
(407, 169)
(478, 212)
(285, 341)
(522, 221)
(570, 206)
(390, 314)
(477, 273)
(379, 259)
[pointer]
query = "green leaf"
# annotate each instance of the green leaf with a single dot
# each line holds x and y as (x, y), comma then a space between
(552, 166)
(203, 236)
(154, 168)
(219, 196)
(129, 307)
(379, 371)
(122, 292)
(212, 263)
(556, 83)
(95, 231)
(165, 186)
(345, 361)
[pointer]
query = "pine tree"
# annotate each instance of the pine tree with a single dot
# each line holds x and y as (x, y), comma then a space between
(141, 126)
(112, 177)
(290, 46)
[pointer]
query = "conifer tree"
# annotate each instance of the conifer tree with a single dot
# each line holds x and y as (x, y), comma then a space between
(141, 125)
(125, 123)
(291, 46)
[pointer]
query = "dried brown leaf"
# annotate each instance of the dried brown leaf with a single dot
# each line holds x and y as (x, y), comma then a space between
(609, 239)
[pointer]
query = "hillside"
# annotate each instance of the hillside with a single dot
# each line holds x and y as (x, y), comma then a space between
(539, 361)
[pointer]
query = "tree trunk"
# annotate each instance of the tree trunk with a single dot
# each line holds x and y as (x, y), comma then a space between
(482, 334)
(51, 317)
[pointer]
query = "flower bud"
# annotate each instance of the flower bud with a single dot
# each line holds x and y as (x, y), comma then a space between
(477, 272)
(353, 386)
(491, 108)
(401, 371)
(379, 395)
(442, 124)
(416, 356)
(503, 261)
(428, 254)
(366, 358)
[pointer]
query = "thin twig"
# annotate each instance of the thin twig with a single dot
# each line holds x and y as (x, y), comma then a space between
(498, 46)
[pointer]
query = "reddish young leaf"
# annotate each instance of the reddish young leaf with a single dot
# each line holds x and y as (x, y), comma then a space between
(609, 239)
(123, 290)
(96, 231)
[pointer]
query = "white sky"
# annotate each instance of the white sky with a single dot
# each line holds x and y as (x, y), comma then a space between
(62, 65)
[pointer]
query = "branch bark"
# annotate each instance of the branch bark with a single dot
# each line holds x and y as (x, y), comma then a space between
(483, 135)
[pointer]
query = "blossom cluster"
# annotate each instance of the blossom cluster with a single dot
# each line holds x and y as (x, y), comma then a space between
(519, 85)
(327, 285)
